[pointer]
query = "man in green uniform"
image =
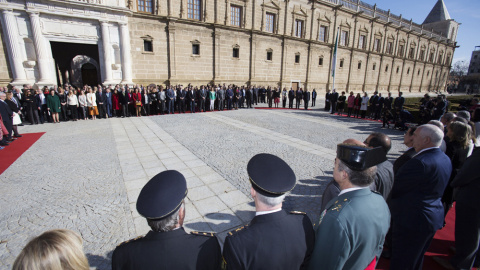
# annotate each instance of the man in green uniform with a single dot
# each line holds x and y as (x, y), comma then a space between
(353, 226)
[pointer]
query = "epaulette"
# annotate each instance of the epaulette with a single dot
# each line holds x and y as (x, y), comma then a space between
(209, 234)
(237, 230)
(297, 213)
(133, 239)
(376, 192)
(337, 206)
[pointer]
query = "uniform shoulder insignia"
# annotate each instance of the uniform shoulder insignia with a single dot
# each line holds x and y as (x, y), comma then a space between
(237, 230)
(130, 240)
(376, 192)
(297, 213)
(209, 234)
(337, 206)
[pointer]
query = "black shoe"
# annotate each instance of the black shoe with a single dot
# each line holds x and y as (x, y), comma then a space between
(18, 136)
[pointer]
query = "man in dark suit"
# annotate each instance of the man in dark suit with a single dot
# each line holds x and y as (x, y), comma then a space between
(100, 96)
(7, 115)
(171, 100)
(108, 102)
(191, 99)
(398, 104)
(249, 97)
(274, 239)
(202, 95)
(417, 210)
(181, 95)
(333, 101)
(314, 97)
(466, 186)
(384, 176)
(387, 102)
(328, 96)
(306, 98)
(255, 95)
(269, 96)
(372, 105)
(353, 226)
(407, 155)
(379, 106)
(123, 99)
(298, 98)
(291, 97)
(229, 98)
(221, 98)
(167, 245)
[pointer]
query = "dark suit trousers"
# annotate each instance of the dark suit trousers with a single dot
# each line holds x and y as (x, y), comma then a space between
(181, 106)
(334, 107)
(409, 247)
(221, 104)
(290, 103)
(298, 103)
(229, 104)
(101, 110)
(171, 106)
(201, 104)
(44, 114)
(467, 236)
(125, 110)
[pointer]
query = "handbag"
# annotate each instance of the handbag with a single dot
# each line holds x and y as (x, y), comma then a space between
(139, 103)
(16, 119)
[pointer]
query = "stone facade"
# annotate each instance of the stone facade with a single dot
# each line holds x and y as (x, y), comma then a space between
(395, 54)
(259, 42)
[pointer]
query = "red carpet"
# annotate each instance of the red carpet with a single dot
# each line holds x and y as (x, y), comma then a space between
(279, 108)
(10, 153)
(442, 241)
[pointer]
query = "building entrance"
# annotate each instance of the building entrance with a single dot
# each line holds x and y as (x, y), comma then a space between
(76, 64)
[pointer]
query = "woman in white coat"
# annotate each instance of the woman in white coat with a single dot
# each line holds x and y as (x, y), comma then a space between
(364, 105)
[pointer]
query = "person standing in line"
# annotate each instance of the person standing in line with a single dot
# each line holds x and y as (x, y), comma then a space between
(221, 98)
(341, 103)
(276, 96)
(31, 108)
(314, 97)
(212, 95)
(284, 97)
(291, 97)
(82, 101)
(364, 105)
(137, 99)
(333, 101)
(72, 102)
(350, 104)
(229, 96)
(416, 206)
(63, 104)
(328, 96)
(191, 98)
(92, 104)
(54, 106)
(298, 98)
(306, 98)
(202, 95)
(171, 100)
(101, 98)
(162, 99)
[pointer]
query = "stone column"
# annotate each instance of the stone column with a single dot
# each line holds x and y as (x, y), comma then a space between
(126, 57)
(11, 31)
(107, 53)
(40, 49)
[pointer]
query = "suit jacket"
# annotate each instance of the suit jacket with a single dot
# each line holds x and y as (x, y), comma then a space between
(100, 97)
(169, 250)
(229, 93)
(351, 231)
(306, 96)
(398, 103)
(299, 94)
(466, 183)
(291, 94)
(170, 94)
(274, 241)
(6, 113)
(123, 98)
(334, 97)
(387, 103)
(108, 99)
(401, 160)
(419, 186)
(221, 94)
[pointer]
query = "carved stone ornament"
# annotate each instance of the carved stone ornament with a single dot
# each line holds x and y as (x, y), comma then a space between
(30, 63)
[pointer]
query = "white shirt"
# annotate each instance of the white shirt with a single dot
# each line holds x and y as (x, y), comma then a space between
(351, 189)
(259, 213)
(423, 150)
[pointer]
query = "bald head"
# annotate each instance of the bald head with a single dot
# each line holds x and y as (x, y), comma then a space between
(427, 136)
(354, 142)
(377, 139)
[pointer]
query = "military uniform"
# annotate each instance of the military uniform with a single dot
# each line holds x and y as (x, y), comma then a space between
(169, 250)
(351, 232)
(278, 241)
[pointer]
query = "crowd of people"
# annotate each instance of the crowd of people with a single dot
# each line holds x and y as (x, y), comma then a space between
(371, 208)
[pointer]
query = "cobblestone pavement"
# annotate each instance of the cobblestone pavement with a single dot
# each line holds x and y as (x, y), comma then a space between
(87, 175)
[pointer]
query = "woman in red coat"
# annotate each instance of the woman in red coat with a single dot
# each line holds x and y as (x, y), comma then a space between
(137, 101)
(115, 103)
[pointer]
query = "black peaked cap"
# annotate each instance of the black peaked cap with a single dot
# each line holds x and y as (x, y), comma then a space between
(162, 195)
(270, 175)
(359, 158)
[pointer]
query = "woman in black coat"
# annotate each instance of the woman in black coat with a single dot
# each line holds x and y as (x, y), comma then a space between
(16, 109)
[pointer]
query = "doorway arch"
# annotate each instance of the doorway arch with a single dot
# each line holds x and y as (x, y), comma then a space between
(84, 68)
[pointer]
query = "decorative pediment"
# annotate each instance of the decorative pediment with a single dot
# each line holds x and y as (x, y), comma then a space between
(147, 37)
(345, 24)
(236, 46)
(324, 18)
(196, 41)
(298, 10)
(363, 29)
(272, 5)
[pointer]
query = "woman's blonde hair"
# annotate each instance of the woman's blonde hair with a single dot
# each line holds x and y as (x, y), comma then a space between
(53, 250)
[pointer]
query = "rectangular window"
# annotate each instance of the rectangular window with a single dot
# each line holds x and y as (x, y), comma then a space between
(322, 34)
(297, 59)
(269, 56)
(359, 66)
(374, 66)
(145, 6)
(400, 51)
(389, 47)
(344, 38)
(194, 7)
(341, 63)
(320, 61)
(236, 53)
(376, 45)
(298, 28)
(235, 15)
(270, 23)
(147, 46)
(196, 49)
(361, 42)
(411, 54)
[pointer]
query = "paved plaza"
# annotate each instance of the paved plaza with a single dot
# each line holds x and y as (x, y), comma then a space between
(86, 175)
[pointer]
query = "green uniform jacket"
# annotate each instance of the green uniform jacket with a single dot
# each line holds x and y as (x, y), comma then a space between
(351, 231)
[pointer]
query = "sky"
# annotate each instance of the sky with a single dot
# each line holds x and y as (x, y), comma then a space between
(466, 12)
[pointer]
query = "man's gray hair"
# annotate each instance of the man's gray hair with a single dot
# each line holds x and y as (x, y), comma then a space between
(270, 201)
(464, 115)
(358, 178)
(433, 132)
(166, 224)
(2, 94)
(436, 123)
(449, 116)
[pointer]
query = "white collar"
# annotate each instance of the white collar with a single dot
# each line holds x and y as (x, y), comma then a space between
(350, 189)
(423, 150)
(259, 213)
